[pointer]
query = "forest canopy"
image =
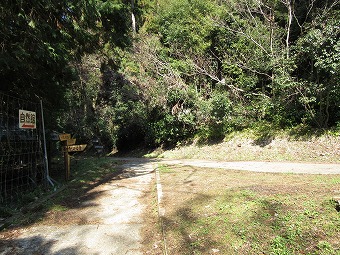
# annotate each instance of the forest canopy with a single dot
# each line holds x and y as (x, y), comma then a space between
(158, 72)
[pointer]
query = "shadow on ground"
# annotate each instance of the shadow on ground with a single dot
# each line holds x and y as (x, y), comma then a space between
(33, 245)
(79, 193)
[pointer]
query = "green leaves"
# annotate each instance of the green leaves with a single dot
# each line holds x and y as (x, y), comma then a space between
(40, 39)
(225, 63)
(185, 24)
(115, 20)
(317, 55)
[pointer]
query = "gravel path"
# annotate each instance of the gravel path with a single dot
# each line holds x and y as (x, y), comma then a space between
(108, 223)
(273, 167)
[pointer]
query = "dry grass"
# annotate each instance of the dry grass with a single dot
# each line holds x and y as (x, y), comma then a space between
(245, 146)
(214, 211)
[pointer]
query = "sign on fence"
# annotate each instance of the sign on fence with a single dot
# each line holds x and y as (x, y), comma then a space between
(22, 165)
(27, 119)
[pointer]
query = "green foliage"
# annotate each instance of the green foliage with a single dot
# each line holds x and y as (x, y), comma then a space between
(279, 246)
(81, 98)
(184, 24)
(39, 41)
(54, 50)
(226, 65)
(318, 54)
(220, 106)
(115, 21)
(173, 126)
(165, 130)
(233, 55)
(214, 116)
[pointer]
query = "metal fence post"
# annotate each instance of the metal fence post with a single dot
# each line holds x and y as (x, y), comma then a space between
(48, 178)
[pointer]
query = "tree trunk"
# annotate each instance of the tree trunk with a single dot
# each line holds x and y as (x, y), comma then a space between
(133, 18)
(290, 18)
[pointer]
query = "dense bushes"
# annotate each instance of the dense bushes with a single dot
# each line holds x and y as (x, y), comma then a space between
(201, 69)
(194, 69)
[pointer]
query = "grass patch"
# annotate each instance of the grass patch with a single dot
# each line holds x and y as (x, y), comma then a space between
(236, 212)
(164, 169)
(58, 208)
(86, 173)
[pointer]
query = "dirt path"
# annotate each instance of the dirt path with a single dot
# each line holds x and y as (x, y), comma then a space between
(254, 166)
(109, 221)
(271, 167)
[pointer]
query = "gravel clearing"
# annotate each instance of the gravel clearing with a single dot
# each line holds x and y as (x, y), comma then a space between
(110, 220)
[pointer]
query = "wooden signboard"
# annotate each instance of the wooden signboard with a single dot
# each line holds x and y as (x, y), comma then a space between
(69, 146)
(64, 137)
(71, 141)
(73, 148)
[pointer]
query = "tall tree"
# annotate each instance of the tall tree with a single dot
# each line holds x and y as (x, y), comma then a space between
(39, 40)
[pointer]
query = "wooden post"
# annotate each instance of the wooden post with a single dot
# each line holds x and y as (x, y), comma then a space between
(67, 163)
(64, 138)
(69, 146)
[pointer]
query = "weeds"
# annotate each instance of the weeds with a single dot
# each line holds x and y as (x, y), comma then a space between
(264, 144)
(85, 172)
(249, 213)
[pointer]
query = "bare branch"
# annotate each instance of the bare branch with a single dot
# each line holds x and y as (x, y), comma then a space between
(248, 37)
(203, 71)
(249, 11)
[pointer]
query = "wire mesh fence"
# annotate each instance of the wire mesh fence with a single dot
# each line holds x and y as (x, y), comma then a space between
(21, 150)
